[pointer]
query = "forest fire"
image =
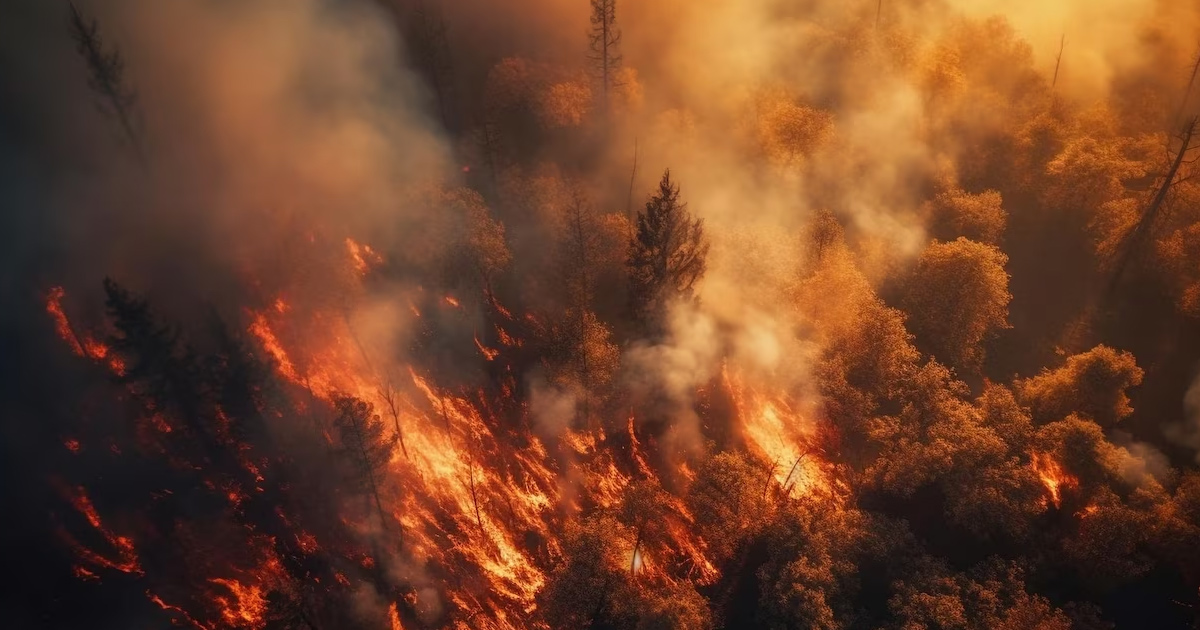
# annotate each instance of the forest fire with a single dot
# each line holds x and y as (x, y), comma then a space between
(899, 336)
(1053, 477)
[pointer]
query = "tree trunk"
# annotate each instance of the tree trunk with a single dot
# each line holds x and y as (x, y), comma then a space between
(1141, 232)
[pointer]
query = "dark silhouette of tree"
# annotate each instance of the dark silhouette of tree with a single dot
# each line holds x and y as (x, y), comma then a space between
(159, 370)
(366, 444)
(605, 39)
(106, 69)
(667, 255)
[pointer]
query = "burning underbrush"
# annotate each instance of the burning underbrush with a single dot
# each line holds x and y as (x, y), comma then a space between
(296, 465)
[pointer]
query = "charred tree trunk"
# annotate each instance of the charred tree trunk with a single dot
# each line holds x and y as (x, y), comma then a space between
(1136, 241)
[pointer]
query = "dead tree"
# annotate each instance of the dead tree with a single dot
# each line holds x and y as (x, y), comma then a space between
(605, 39)
(1137, 238)
(388, 393)
(632, 179)
(1062, 42)
(106, 76)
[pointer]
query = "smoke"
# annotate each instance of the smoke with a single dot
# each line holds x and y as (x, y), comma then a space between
(553, 408)
(1187, 432)
(266, 124)
(665, 375)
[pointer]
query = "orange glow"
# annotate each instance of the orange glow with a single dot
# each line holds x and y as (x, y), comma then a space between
(126, 560)
(394, 618)
(175, 610)
(244, 607)
(61, 324)
(362, 256)
(487, 352)
(1053, 477)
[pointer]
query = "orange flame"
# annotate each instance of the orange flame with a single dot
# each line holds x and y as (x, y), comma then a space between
(487, 352)
(1053, 477)
(363, 257)
(127, 559)
(61, 324)
(394, 618)
(246, 607)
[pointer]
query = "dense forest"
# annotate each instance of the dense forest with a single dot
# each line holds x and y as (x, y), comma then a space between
(559, 314)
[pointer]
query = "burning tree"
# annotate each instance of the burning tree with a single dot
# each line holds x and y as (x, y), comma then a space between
(366, 445)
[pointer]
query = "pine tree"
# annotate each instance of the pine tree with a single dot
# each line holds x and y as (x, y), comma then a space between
(366, 445)
(667, 254)
(106, 68)
(162, 373)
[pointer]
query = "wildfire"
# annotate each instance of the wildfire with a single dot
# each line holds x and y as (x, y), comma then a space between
(463, 495)
(394, 618)
(362, 256)
(488, 353)
(126, 560)
(1053, 477)
(244, 607)
(85, 345)
(61, 324)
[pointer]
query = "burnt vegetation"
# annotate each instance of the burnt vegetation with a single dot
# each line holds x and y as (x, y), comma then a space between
(554, 409)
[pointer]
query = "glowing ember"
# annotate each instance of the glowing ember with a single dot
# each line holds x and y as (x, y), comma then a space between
(244, 607)
(61, 324)
(126, 560)
(487, 352)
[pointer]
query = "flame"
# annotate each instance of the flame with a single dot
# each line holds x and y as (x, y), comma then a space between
(126, 560)
(774, 428)
(362, 256)
(246, 607)
(394, 618)
(175, 610)
(487, 352)
(1053, 477)
(465, 495)
(62, 325)
(82, 345)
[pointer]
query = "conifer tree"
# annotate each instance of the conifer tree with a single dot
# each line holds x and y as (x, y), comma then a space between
(667, 254)
(366, 445)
